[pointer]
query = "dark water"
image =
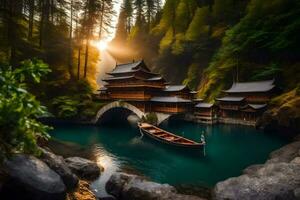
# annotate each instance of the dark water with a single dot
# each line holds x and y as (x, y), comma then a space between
(230, 149)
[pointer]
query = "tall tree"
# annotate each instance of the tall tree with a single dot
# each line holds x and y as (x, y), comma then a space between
(139, 11)
(107, 12)
(92, 8)
(127, 10)
(31, 18)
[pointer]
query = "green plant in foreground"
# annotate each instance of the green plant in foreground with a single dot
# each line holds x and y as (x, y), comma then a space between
(19, 110)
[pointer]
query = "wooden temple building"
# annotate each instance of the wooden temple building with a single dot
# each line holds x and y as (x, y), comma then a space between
(244, 102)
(134, 83)
(148, 91)
(205, 113)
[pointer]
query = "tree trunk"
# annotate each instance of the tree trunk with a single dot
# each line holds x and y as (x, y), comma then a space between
(78, 62)
(31, 18)
(101, 20)
(41, 24)
(11, 32)
(52, 11)
(86, 53)
(70, 59)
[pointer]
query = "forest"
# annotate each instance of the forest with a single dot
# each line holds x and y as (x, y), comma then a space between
(209, 44)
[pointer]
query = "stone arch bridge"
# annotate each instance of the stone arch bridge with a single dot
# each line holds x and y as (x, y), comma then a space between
(122, 104)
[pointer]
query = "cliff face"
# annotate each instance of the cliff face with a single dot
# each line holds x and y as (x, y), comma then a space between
(284, 114)
(262, 45)
(208, 44)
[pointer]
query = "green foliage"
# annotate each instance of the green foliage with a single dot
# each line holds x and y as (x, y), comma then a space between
(199, 25)
(191, 79)
(270, 71)
(19, 110)
(65, 106)
(150, 118)
(167, 40)
(266, 35)
(182, 16)
(167, 19)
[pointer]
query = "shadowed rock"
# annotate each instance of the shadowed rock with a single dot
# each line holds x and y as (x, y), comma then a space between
(131, 187)
(58, 164)
(83, 168)
(30, 178)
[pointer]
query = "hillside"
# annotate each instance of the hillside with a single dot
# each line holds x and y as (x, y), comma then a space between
(207, 45)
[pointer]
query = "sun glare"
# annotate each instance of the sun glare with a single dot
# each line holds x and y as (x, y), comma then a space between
(100, 44)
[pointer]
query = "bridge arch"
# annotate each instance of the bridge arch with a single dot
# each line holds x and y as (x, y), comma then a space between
(118, 104)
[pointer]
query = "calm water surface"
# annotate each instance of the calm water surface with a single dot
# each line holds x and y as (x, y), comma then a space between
(230, 148)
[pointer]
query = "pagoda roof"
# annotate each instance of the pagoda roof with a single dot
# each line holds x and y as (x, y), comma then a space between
(109, 78)
(255, 106)
(117, 78)
(198, 100)
(256, 86)
(174, 99)
(156, 78)
(102, 89)
(234, 99)
(175, 88)
(204, 105)
(125, 68)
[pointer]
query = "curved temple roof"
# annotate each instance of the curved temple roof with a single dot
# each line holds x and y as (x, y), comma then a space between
(235, 99)
(257, 86)
(174, 88)
(255, 106)
(204, 105)
(128, 67)
(174, 99)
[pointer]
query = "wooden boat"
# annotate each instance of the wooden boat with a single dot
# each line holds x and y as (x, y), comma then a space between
(167, 137)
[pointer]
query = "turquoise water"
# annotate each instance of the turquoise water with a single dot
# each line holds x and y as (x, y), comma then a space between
(230, 149)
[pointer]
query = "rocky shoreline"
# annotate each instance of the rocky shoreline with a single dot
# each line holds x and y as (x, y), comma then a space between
(55, 177)
(278, 178)
(48, 176)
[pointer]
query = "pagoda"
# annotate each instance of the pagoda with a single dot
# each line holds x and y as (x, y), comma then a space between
(136, 84)
(244, 102)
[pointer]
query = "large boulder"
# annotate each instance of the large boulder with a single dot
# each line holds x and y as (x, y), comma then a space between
(272, 181)
(58, 164)
(285, 153)
(131, 187)
(30, 178)
(278, 178)
(83, 168)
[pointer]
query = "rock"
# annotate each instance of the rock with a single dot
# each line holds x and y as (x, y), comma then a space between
(131, 187)
(108, 198)
(286, 153)
(296, 160)
(297, 193)
(58, 164)
(272, 181)
(82, 192)
(83, 168)
(30, 178)
(252, 169)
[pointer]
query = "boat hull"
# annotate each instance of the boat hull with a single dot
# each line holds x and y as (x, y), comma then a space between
(161, 140)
